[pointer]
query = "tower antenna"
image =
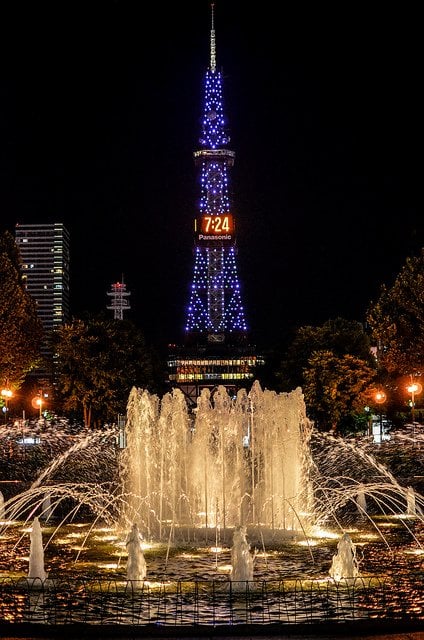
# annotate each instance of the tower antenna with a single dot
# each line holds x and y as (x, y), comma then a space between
(119, 302)
(213, 47)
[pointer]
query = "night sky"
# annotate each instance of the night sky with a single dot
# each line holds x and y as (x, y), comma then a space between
(100, 107)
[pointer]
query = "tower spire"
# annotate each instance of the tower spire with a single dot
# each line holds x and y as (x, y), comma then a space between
(213, 48)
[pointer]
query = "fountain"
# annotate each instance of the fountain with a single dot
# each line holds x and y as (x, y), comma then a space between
(361, 502)
(46, 507)
(242, 560)
(136, 565)
(412, 509)
(345, 564)
(197, 486)
(236, 462)
(36, 555)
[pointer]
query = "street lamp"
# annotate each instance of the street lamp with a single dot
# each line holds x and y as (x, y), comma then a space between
(37, 403)
(414, 388)
(380, 398)
(7, 394)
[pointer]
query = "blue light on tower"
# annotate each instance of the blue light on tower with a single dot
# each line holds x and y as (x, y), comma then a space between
(216, 350)
(215, 305)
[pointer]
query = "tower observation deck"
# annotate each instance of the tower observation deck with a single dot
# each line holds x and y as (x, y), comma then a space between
(216, 348)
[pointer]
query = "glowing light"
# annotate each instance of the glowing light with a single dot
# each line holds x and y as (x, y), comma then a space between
(307, 543)
(369, 536)
(63, 541)
(380, 397)
(323, 533)
(215, 303)
(107, 565)
(415, 388)
(108, 538)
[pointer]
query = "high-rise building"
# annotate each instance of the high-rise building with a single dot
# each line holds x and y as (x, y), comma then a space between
(216, 348)
(44, 250)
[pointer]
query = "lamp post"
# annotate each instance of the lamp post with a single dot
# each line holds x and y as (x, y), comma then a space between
(37, 403)
(7, 394)
(380, 398)
(414, 388)
(40, 404)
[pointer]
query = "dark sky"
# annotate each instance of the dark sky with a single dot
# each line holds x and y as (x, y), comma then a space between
(100, 105)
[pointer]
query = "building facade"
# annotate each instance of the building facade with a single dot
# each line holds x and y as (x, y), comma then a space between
(44, 250)
(216, 349)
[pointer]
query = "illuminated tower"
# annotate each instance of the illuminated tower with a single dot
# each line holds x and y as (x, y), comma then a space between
(216, 350)
(119, 302)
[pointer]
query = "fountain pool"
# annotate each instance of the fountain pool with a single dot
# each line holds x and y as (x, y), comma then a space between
(187, 482)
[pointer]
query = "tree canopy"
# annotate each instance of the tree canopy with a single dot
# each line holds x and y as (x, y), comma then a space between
(336, 387)
(21, 331)
(396, 320)
(340, 336)
(334, 366)
(98, 362)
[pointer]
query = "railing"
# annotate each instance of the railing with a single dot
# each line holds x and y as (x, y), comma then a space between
(219, 603)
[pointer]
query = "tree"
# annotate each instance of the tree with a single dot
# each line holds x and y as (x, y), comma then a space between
(333, 364)
(340, 336)
(21, 331)
(99, 360)
(335, 387)
(396, 320)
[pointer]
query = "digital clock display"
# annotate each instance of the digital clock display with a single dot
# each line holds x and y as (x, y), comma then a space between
(220, 227)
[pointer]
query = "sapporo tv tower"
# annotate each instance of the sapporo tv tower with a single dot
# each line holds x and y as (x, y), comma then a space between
(216, 350)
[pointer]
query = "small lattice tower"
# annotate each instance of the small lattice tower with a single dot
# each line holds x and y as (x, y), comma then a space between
(119, 302)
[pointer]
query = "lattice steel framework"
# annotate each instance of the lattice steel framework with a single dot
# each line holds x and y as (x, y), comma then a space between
(215, 309)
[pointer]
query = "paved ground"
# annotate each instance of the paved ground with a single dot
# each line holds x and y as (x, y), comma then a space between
(306, 632)
(416, 635)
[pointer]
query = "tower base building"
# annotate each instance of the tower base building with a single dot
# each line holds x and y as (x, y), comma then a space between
(193, 369)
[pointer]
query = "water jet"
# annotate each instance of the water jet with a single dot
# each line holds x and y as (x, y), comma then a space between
(191, 482)
(36, 556)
